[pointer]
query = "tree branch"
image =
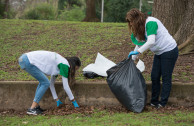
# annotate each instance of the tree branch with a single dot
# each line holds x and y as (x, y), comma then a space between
(184, 44)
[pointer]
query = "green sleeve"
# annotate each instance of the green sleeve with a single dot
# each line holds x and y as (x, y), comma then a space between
(64, 69)
(134, 40)
(151, 28)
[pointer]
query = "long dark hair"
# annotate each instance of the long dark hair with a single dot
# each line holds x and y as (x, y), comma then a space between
(73, 62)
(138, 19)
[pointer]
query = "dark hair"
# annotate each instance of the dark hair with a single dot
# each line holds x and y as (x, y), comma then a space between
(73, 62)
(138, 19)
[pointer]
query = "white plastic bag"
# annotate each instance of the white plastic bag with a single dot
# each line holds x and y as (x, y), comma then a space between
(140, 65)
(102, 64)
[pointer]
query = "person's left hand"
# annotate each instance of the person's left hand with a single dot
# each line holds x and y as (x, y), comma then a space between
(59, 103)
(75, 104)
(133, 53)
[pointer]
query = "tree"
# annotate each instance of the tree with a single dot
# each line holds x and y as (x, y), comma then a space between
(4, 8)
(90, 12)
(178, 18)
(1, 9)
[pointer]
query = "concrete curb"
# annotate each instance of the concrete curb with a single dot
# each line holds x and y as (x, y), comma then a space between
(18, 95)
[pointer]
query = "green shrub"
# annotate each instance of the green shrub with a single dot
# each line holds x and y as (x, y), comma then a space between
(74, 14)
(9, 14)
(2, 9)
(116, 10)
(62, 4)
(41, 12)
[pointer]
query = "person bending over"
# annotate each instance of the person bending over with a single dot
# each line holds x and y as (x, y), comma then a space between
(42, 63)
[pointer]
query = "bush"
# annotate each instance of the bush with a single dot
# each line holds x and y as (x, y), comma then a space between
(74, 14)
(2, 9)
(10, 13)
(118, 9)
(41, 12)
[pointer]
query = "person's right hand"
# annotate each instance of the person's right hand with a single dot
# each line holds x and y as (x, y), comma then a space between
(133, 53)
(59, 103)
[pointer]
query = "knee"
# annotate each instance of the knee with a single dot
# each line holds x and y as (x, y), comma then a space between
(46, 83)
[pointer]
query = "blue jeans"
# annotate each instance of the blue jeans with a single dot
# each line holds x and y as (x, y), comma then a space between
(163, 65)
(44, 82)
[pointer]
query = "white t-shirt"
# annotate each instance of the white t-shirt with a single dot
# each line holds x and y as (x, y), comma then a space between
(164, 42)
(47, 61)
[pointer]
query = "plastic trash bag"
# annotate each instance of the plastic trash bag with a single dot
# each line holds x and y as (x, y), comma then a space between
(99, 68)
(90, 74)
(128, 85)
(140, 65)
(101, 65)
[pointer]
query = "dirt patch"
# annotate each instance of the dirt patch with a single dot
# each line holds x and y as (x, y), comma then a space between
(88, 110)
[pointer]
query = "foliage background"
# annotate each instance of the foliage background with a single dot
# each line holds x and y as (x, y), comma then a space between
(73, 10)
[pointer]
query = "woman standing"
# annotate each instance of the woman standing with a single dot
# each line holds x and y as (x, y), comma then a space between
(39, 63)
(150, 33)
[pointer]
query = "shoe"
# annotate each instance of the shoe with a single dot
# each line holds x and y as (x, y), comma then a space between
(153, 105)
(38, 107)
(33, 111)
(159, 106)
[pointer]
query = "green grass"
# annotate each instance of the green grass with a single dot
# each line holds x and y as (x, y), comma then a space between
(80, 39)
(176, 118)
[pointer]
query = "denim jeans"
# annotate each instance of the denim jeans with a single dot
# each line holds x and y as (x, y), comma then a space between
(163, 65)
(44, 82)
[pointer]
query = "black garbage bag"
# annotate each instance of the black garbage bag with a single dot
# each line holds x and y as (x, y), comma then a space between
(91, 75)
(128, 85)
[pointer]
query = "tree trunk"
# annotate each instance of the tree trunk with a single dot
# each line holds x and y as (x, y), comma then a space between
(6, 9)
(178, 18)
(90, 12)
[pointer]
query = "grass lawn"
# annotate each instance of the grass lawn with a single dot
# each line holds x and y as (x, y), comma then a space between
(174, 118)
(80, 39)
(84, 40)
